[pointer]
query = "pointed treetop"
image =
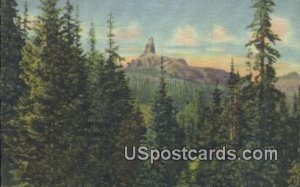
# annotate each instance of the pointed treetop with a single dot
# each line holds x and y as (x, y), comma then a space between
(162, 83)
(232, 65)
(232, 75)
(262, 40)
(110, 34)
(217, 95)
(25, 22)
(114, 57)
(92, 38)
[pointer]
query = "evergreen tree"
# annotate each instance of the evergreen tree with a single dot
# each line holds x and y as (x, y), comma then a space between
(191, 120)
(114, 120)
(25, 21)
(266, 128)
(263, 39)
(96, 78)
(51, 115)
(215, 134)
(76, 92)
(163, 133)
(293, 141)
(12, 87)
(233, 105)
(294, 179)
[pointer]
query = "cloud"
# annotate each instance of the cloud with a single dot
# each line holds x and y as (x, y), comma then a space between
(186, 36)
(215, 49)
(130, 32)
(220, 34)
(282, 28)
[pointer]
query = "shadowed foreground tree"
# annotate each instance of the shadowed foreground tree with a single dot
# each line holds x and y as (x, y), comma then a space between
(12, 87)
(114, 120)
(51, 115)
(163, 133)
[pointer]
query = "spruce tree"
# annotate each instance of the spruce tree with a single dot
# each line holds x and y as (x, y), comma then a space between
(261, 127)
(294, 179)
(215, 134)
(294, 143)
(114, 120)
(233, 105)
(163, 133)
(12, 87)
(191, 120)
(51, 115)
(76, 91)
(263, 40)
(25, 21)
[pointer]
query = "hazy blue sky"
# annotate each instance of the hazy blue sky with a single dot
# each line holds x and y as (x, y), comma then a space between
(205, 32)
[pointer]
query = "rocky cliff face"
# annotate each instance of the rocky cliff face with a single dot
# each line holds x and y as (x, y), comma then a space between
(150, 48)
(176, 67)
(149, 59)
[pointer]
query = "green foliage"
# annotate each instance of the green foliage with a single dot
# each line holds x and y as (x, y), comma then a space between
(294, 180)
(262, 39)
(66, 116)
(113, 121)
(142, 83)
(293, 143)
(163, 133)
(48, 133)
(271, 117)
(12, 87)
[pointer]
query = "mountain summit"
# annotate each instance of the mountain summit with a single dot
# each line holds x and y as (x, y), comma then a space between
(176, 67)
(150, 47)
(149, 59)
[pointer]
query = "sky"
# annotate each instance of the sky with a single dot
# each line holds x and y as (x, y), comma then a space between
(206, 33)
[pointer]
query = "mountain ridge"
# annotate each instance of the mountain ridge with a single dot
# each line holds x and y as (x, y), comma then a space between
(177, 67)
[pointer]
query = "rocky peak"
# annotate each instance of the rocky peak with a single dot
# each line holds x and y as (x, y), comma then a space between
(150, 47)
(177, 67)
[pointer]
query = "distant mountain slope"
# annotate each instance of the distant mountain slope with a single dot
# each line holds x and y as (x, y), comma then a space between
(289, 83)
(145, 68)
(292, 75)
(177, 67)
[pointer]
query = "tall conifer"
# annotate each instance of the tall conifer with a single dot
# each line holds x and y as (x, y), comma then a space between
(12, 87)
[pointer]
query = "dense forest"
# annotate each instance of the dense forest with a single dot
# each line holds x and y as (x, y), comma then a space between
(67, 113)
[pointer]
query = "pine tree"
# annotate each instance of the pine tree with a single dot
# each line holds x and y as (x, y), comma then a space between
(12, 87)
(263, 39)
(294, 179)
(114, 120)
(92, 38)
(96, 78)
(51, 114)
(192, 120)
(25, 21)
(261, 126)
(163, 133)
(215, 134)
(293, 141)
(233, 103)
(76, 92)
